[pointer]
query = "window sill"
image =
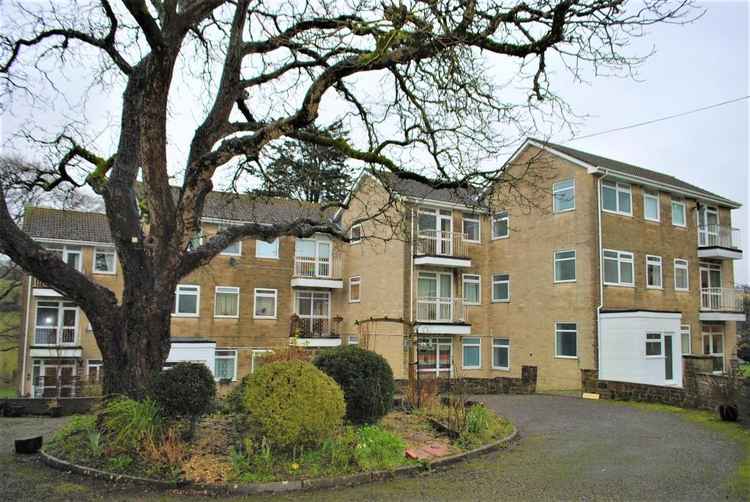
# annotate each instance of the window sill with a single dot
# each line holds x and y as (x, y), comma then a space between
(649, 220)
(655, 288)
(682, 290)
(563, 211)
(267, 257)
(497, 368)
(500, 301)
(99, 272)
(617, 213)
(355, 301)
(226, 317)
(471, 367)
(186, 316)
(265, 318)
(471, 242)
(566, 357)
(684, 227)
(500, 238)
(564, 282)
(611, 284)
(467, 304)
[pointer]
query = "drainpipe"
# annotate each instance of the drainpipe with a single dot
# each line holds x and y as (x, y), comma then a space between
(601, 266)
(22, 379)
(411, 271)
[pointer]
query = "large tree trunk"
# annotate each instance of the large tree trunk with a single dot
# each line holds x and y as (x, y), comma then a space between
(135, 339)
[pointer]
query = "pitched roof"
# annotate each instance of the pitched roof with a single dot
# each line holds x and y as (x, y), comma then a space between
(467, 196)
(632, 170)
(47, 223)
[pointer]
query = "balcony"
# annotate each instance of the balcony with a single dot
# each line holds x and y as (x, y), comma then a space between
(317, 272)
(442, 249)
(722, 304)
(717, 241)
(315, 332)
(55, 342)
(444, 316)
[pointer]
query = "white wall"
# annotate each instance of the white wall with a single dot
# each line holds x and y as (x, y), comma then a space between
(193, 352)
(622, 344)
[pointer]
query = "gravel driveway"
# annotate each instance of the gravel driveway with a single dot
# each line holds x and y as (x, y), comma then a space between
(570, 449)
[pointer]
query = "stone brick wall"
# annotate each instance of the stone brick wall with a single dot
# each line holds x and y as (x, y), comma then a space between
(498, 385)
(39, 406)
(696, 392)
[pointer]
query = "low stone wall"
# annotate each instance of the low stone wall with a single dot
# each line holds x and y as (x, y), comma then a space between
(696, 392)
(498, 385)
(38, 406)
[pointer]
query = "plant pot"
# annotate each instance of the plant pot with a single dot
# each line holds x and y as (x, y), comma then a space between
(728, 412)
(29, 445)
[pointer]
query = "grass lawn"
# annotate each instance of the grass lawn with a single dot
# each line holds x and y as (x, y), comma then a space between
(7, 392)
(740, 483)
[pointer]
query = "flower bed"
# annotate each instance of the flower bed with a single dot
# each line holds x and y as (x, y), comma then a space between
(283, 428)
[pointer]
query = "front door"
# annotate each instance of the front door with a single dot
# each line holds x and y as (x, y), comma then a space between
(445, 238)
(54, 378)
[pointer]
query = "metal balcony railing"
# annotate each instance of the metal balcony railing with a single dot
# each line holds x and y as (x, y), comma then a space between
(55, 336)
(446, 310)
(314, 328)
(719, 236)
(722, 299)
(318, 268)
(439, 243)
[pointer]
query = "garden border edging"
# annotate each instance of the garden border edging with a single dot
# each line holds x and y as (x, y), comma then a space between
(286, 486)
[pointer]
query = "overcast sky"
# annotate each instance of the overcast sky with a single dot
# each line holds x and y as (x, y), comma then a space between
(696, 65)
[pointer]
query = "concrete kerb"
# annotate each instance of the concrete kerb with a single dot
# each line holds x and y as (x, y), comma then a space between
(286, 486)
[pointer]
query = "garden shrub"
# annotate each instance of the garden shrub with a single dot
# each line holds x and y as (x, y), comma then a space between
(130, 424)
(366, 379)
(293, 404)
(185, 390)
(481, 426)
(378, 449)
(77, 440)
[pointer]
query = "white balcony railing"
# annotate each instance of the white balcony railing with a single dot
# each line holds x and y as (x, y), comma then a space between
(722, 299)
(446, 310)
(55, 336)
(318, 268)
(719, 236)
(439, 243)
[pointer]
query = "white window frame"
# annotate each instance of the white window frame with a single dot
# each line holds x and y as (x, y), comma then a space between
(91, 364)
(238, 242)
(104, 250)
(197, 295)
(275, 241)
(233, 356)
(556, 189)
(559, 330)
(478, 221)
(682, 264)
(352, 340)
(653, 261)
(500, 216)
(621, 258)
(66, 251)
(351, 233)
(61, 306)
(477, 345)
(685, 330)
(475, 279)
(358, 281)
(648, 341)
(683, 205)
(653, 196)
(556, 260)
(495, 344)
(314, 295)
(500, 281)
(618, 188)
(266, 293)
(227, 289)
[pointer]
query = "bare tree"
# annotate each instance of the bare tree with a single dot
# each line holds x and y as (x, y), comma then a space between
(271, 70)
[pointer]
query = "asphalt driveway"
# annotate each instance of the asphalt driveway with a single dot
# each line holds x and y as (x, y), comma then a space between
(570, 449)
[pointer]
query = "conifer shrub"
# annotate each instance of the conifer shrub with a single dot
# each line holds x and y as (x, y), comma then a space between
(185, 390)
(293, 405)
(366, 379)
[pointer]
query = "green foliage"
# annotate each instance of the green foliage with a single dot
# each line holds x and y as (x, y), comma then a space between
(744, 370)
(74, 441)
(366, 379)
(378, 449)
(338, 452)
(120, 463)
(185, 390)
(129, 424)
(293, 404)
(481, 427)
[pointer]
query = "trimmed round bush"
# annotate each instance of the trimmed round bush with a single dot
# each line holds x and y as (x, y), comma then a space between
(294, 404)
(366, 379)
(185, 390)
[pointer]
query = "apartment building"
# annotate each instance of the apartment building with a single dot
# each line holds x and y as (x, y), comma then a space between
(582, 263)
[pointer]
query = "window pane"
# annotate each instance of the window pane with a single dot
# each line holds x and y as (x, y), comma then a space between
(626, 273)
(564, 195)
(224, 367)
(356, 233)
(609, 198)
(500, 357)
(624, 198)
(610, 271)
(651, 208)
(500, 291)
(685, 343)
(471, 292)
(681, 278)
(653, 349)
(104, 261)
(265, 249)
(471, 356)
(265, 306)
(566, 343)
(226, 303)
(187, 303)
(471, 230)
(565, 266)
(233, 248)
(427, 221)
(678, 214)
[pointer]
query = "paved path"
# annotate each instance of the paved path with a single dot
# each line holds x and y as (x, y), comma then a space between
(570, 449)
